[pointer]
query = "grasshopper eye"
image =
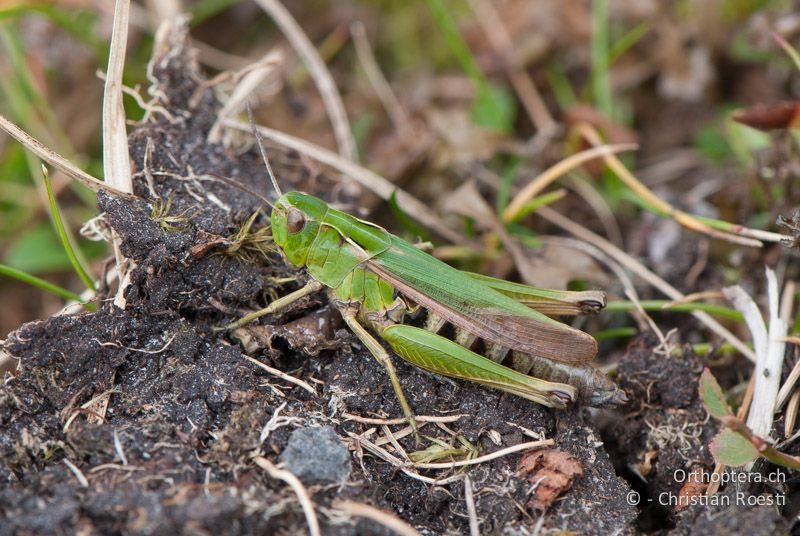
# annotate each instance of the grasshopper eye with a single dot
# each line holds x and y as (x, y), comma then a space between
(295, 221)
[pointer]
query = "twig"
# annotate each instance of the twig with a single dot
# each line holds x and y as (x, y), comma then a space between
(370, 180)
(382, 88)
(297, 487)
(281, 375)
(319, 72)
(403, 432)
(387, 519)
(474, 527)
(639, 269)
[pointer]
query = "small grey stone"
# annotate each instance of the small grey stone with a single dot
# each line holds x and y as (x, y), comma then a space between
(316, 455)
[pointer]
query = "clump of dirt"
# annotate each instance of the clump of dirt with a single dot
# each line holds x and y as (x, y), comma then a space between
(661, 446)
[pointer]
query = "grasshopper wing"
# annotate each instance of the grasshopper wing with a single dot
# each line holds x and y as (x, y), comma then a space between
(545, 300)
(478, 308)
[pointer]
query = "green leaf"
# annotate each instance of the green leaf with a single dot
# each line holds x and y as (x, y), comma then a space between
(66, 243)
(494, 108)
(39, 251)
(732, 449)
(712, 396)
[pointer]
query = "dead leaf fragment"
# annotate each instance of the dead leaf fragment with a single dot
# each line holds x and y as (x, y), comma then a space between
(770, 117)
(695, 485)
(552, 472)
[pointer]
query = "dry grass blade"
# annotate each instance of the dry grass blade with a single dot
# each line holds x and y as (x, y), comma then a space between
(58, 161)
(695, 297)
(488, 457)
(469, 498)
(369, 179)
(116, 159)
(587, 191)
(770, 345)
(396, 462)
(791, 414)
(742, 236)
(77, 472)
(791, 381)
(554, 172)
(382, 88)
(297, 487)
(249, 82)
(319, 72)
(281, 375)
(501, 42)
(387, 519)
(403, 420)
(640, 270)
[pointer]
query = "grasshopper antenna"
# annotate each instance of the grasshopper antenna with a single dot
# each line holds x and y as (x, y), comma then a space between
(241, 187)
(260, 142)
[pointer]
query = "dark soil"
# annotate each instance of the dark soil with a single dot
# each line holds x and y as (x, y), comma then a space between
(162, 414)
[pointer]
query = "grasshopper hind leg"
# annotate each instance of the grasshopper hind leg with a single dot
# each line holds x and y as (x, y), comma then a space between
(439, 355)
(349, 314)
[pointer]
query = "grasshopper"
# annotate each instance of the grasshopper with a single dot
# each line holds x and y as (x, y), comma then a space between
(376, 279)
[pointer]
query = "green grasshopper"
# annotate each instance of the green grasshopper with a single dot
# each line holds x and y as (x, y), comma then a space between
(375, 279)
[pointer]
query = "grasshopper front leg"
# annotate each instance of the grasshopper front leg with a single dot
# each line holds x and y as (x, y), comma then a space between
(378, 352)
(281, 303)
(437, 354)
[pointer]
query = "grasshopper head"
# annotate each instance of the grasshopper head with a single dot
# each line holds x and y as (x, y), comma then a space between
(295, 222)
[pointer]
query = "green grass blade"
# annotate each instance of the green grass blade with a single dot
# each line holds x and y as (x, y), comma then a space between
(627, 41)
(658, 305)
(493, 107)
(409, 223)
(44, 285)
(62, 233)
(616, 333)
(601, 82)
